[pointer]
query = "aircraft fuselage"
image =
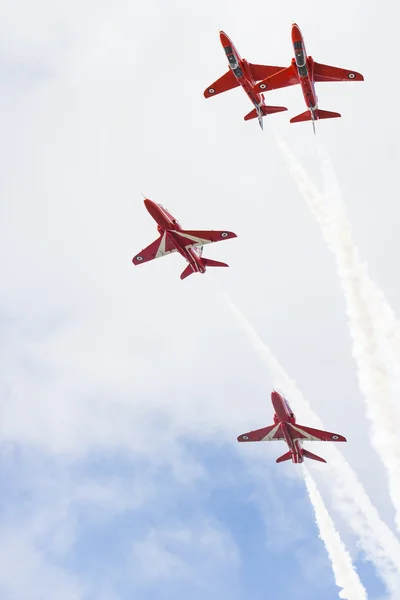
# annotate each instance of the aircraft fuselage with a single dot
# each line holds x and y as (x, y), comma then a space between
(284, 415)
(167, 225)
(303, 65)
(241, 70)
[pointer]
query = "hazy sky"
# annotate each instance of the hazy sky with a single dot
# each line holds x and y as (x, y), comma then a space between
(123, 388)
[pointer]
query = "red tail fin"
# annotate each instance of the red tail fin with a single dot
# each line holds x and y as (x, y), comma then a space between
(284, 457)
(266, 110)
(213, 263)
(270, 110)
(319, 114)
(188, 271)
(308, 454)
(207, 262)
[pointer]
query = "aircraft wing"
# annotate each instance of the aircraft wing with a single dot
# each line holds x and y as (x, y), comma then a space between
(200, 238)
(263, 71)
(281, 79)
(161, 247)
(310, 434)
(266, 434)
(223, 84)
(328, 73)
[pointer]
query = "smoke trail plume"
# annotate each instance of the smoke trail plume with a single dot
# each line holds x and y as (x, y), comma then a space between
(375, 539)
(346, 576)
(362, 309)
(384, 322)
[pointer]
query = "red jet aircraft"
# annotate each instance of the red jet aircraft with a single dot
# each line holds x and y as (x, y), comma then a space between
(245, 74)
(175, 239)
(285, 428)
(307, 72)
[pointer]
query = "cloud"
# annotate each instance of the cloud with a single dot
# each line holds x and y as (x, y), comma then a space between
(179, 551)
(111, 375)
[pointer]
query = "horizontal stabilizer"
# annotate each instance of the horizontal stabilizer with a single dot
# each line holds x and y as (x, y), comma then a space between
(270, 110)
(326, 114)
(188, 271)
(284, 457)
(253, 114)
(308, 454)
(213, 263)
(318, 114)
(266, 110)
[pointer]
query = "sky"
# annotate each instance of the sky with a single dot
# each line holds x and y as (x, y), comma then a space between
(123, 389)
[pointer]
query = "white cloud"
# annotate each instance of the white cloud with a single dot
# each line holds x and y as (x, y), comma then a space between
(193, 552)
(100, 102)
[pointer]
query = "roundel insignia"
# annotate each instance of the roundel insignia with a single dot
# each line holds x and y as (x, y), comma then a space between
(264, 85)
(245, 437)
(211, 90)
(351, 75)
(139, 258)
(335, 437)
(224, 234)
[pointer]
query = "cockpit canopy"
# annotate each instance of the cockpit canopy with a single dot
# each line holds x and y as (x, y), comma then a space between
(288, 407)
(170, 216)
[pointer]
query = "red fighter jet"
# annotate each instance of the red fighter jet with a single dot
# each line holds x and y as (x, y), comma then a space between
(175, 239)
(245, 74)
(285, 428)
(307, 72)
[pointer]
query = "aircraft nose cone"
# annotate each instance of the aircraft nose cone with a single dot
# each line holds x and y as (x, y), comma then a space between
(149, 204)
(296, 33)
(275, 395)
(225, 40)
(152, 208)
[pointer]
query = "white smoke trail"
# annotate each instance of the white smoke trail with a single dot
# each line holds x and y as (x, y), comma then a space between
(375, 539)
(383, 319)
(373, 375)
(327, 208)
(345, 573)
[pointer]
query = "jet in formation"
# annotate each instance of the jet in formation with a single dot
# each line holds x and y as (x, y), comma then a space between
(189, 243)
(245, 74)
(285, 428)
(305, 71)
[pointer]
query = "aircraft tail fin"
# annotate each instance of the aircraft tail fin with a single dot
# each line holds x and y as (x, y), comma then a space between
(318, 114)
(213, 263)
(308, 454)
(326, 114)
(207, 262)
(266, 110)
(188, 271)
(270, 110)
(286, 456)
